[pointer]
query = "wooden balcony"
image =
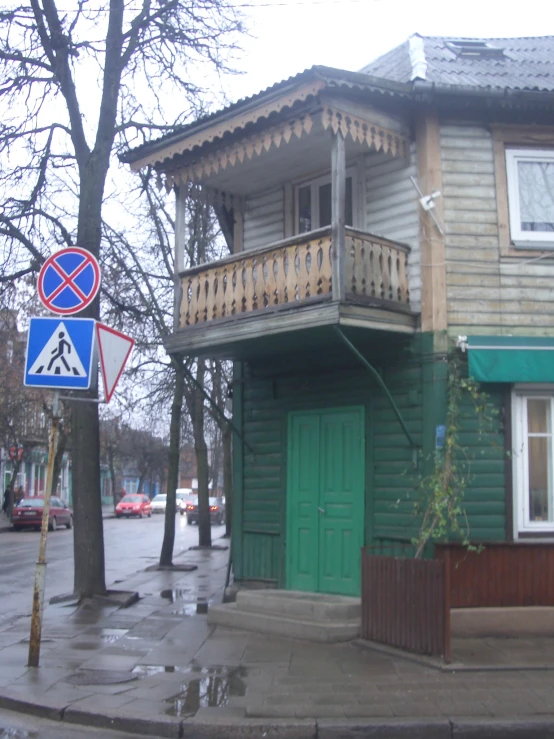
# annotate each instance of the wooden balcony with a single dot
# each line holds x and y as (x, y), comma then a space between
(288, 287)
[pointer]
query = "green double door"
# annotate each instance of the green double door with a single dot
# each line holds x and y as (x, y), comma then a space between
(325, 500)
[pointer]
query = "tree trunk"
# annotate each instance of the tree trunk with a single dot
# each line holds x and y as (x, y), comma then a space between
(113, 476)
(226, 437)
(166, 555)
(201, 451)
(88, 541)
(58, 458)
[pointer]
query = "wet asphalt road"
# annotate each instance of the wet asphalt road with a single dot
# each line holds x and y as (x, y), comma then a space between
(129, 544)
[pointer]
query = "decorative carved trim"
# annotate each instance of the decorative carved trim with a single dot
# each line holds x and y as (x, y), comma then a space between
(364, 131)
(376, 137)
(218, 129)
(246, 148)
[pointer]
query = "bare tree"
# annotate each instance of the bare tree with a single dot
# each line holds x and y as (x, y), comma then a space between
(58, 134)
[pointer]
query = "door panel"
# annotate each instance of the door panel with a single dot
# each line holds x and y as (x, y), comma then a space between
(326, 477)
(304, 480)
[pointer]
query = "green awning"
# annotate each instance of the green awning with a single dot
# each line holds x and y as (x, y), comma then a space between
(511, 358)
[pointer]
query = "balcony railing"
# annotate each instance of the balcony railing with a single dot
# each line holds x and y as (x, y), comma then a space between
(294, 272)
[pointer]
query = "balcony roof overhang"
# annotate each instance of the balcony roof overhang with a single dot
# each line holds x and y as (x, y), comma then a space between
(224, 149)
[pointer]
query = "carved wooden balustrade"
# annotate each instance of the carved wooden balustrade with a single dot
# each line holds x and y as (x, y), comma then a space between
(376, 268)
(294, 271)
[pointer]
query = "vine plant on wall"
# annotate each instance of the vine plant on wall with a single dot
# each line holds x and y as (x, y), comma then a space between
(440, 504)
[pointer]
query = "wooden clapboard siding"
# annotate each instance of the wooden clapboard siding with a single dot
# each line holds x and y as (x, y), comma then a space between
(471, 228)
(391, 210)
(263, 219)
(394, 478)
(487, 292)
(261, 557)
(391, 479)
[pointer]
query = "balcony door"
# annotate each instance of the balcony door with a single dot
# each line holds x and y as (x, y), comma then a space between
(313, 204)
(325, 501)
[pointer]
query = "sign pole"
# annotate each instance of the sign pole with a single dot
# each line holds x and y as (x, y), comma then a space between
(40, 572)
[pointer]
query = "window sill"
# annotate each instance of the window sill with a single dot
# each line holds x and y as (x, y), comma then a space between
(544, 245)
(534, 535)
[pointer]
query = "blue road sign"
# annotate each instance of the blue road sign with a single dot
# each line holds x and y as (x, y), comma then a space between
(61, 354)
(69, 281)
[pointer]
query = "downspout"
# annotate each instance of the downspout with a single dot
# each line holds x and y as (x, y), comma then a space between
(381, 383)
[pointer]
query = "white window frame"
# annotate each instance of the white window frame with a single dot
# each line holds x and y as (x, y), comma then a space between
(315, 183)
(525, 239)
(520, 459)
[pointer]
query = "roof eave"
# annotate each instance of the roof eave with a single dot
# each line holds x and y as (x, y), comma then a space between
(322, 77)
(425, 87)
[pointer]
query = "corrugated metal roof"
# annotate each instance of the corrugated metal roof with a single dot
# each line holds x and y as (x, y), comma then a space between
(501, 63)
(460, 64)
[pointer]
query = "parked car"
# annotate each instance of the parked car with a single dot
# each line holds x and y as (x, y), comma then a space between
(134, 504)
(183, 499)
(217, 512)
(27, 514)
(159, 503)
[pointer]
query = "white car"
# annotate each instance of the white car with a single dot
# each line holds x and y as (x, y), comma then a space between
(158, 503)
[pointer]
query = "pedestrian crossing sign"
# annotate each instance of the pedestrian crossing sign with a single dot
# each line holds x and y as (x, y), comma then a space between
(61, 354)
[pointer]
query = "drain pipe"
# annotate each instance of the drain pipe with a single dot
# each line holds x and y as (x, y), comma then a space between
(379, 379)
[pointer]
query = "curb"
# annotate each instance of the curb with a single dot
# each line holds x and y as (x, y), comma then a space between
(50, 710)
(385, 729)
(222, 726)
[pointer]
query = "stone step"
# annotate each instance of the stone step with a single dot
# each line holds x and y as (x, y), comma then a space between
(318, 607)
(232, 616)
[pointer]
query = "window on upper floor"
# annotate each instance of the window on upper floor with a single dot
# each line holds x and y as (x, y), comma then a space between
(530, 179)
(533, 455)
(313, 203)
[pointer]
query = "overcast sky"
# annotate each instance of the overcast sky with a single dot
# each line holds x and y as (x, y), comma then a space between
(291, 35)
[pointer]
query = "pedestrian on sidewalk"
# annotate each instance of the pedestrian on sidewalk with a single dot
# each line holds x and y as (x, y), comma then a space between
(20, 494)
(6, 501)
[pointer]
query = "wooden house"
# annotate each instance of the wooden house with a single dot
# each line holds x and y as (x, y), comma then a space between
(372, 219)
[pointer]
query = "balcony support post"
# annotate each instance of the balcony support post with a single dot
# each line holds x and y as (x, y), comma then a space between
(179, 259)
(338, 194)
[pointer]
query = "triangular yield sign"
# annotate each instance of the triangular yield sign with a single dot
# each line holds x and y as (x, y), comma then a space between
(114, 349)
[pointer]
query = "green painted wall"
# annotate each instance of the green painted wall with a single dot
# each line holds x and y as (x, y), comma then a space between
(262, 400)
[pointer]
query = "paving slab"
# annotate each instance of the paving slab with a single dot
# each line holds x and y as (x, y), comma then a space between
(190, 679)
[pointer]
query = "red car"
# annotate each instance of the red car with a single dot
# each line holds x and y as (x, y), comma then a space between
(27, 514)
(134, 504)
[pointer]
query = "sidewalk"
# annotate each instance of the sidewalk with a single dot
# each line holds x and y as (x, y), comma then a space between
(156, 668)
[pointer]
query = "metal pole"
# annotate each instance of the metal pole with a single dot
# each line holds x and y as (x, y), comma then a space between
(40, 572)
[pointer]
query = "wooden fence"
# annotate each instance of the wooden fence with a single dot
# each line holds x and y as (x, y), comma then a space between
(503, 574)
(406, 603)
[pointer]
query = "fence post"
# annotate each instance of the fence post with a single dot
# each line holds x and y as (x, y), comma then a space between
(446, 604)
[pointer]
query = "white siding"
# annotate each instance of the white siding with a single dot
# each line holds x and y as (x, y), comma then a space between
(486, 293)
(263, 219)
(392, 210)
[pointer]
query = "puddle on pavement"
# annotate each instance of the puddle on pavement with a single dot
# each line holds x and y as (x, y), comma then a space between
(200, 605)
(209, 687)
(188, 609)
(148, 670)
(175, 594)
(106, 636)
(17, 734)
(111, 635)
